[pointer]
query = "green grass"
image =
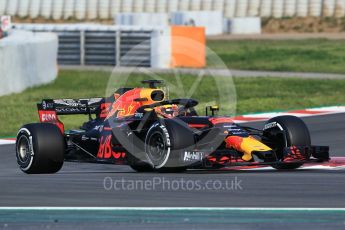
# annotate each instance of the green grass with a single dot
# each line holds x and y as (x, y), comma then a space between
(253, 95)
(312, 55)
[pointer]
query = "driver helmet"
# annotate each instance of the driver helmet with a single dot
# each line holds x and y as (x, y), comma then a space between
(168, 111)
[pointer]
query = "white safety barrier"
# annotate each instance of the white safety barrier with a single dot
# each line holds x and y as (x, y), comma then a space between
(57, 9)
(328, 8)
(150, 6)
(115, 6)
(69, 9)
(91, 9)
(23, 8)
(12, 7)
(266, 8)
(289, 8)
(339, 8)
(195, 5)
(254, 8)
(105, 9)
(127, 6)
(173, 5)
(245, 25)
(3, 5)
(230, 6)
(80, 9)
(27, 59)
(211, 20)
(161, 48)
(46, 8)
(278, 8)
(315, 7)
(218, 5)
(184, 5)
(302, 8)
(241, 9)
(162, 6)
(138, 6)
(206, 5)
(34, 10)
(142, 19)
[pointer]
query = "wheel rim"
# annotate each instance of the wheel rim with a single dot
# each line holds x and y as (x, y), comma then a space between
(156, 148)
(23, 149)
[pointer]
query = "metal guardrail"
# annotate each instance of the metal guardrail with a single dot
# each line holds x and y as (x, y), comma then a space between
(69, 48)
(100, 48)
(112, 48)
(103, 47)
(135, 48)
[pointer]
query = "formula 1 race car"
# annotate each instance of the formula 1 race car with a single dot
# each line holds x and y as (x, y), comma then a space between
(140, 127)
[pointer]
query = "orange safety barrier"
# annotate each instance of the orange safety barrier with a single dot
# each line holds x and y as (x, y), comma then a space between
(188, 46)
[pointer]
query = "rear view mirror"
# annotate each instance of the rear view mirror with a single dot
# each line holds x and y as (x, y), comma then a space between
(214, 110)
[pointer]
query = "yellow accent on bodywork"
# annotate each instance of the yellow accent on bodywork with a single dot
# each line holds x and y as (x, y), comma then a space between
(250, 144)
(146, 93)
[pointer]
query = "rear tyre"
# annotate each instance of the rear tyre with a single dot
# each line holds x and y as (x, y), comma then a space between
(286, 131)
(40, 148)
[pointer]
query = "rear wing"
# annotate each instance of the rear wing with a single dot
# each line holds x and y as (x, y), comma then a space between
(71, 106)
(49, 109)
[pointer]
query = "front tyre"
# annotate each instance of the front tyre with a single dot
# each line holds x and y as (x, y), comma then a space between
(158, 145)
(40, 148)
(164, 143)
(286, 131)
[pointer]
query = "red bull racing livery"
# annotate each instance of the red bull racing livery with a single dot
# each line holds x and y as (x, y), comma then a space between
(140, 127)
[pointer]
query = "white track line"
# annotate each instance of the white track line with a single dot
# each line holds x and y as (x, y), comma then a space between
(321, 111)
(312, 167)
(164, 209)
(6, 142)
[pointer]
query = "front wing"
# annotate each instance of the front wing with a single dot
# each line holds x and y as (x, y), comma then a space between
(292, 155)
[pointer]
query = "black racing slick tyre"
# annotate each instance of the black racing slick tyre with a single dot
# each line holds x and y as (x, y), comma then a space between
(286, 131)
(164, 143)
(40, 148)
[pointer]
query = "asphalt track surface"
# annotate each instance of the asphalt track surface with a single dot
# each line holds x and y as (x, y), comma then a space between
(83, 185)
(173, 219)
